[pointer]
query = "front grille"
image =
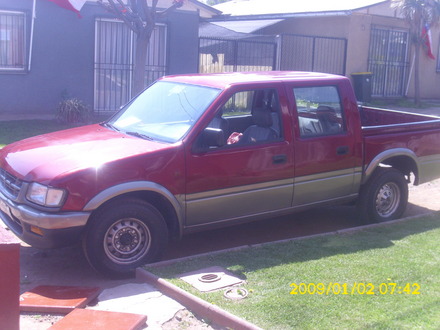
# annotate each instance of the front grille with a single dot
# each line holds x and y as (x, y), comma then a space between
(9, 183)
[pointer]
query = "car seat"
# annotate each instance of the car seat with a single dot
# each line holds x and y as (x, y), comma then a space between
(262, 130)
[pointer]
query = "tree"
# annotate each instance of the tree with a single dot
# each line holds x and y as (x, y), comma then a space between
(417, 13)
(141, 18)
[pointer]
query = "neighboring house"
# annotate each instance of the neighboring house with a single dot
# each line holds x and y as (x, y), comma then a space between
(342, 37)
(54, 53)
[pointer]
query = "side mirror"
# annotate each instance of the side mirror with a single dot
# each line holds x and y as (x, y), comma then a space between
(210, 138)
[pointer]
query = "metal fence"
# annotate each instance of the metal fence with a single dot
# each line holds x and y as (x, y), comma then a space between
(313, 53)
(228, 55)
(288, 52)
(114, 56)
(388, 61)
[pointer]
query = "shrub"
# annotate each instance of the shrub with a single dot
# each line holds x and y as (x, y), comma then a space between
(72, 111)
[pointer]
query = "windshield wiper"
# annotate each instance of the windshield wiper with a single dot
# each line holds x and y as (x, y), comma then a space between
(140, 135)
(108, 125)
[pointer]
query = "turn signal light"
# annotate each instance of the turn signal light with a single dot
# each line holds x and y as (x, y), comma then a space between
(37, 231)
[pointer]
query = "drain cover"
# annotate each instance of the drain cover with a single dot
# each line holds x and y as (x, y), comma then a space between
(210, 277)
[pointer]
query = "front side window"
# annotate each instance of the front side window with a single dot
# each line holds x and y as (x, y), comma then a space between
(165, 111)
(249, 117)
(319, 111)
(12, 41)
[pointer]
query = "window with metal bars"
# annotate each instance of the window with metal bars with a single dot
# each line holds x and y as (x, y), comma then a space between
(388, 61)
(114, 55)
(12, 41)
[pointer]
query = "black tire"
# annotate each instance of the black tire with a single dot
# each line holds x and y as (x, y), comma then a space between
(124, 235)
(384, 197)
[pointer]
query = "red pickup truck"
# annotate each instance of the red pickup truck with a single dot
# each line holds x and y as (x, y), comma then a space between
(194, 152)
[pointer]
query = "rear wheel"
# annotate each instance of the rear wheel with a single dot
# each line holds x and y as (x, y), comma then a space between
(384, 197)
(123, 236)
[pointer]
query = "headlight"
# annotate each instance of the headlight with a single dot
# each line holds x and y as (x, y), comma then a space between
(44, 195)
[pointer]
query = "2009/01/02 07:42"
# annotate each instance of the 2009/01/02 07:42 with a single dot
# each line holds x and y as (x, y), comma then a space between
(355, 288)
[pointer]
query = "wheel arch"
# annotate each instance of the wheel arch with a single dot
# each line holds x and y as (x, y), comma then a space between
(403, 160)
(160, 197)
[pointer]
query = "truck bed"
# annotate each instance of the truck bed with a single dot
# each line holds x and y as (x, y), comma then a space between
(405, 135)
(382, 121)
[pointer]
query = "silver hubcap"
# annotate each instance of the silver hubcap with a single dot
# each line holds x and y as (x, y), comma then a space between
(387, 199)
(127, 241)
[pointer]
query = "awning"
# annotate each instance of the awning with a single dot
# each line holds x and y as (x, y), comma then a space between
(248, 26)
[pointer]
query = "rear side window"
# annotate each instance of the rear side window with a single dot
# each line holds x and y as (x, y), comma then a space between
(319, 111)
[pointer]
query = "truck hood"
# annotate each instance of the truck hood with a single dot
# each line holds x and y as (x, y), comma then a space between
(46, 157)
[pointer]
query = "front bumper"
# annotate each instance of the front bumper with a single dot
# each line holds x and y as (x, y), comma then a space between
(42, 229)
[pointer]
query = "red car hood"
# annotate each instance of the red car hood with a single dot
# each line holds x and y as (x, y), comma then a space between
(52, 155)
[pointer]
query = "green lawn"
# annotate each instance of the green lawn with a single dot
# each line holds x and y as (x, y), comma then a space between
(15, 130)
(401, 257)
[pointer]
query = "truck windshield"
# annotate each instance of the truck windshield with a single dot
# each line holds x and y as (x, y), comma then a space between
(165, 111)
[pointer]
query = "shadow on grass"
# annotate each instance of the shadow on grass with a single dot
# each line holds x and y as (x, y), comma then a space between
(405, 315)
(260, 256)
(311, 222)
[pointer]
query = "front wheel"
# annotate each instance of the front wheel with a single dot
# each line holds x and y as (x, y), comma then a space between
(124, 235)
(384, 197)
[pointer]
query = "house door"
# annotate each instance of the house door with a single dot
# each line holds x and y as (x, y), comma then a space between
(114, 55)
(387, 60)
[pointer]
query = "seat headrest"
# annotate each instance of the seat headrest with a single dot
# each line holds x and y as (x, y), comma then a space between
(326, 113)
(262, 117)
(325, 109)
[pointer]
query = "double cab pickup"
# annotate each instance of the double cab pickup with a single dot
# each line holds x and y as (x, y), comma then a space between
(193, 152)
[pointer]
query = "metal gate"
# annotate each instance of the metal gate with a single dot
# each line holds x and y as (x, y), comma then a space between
(230, 55)
(114, 55)
(313, 53)
(387, 61)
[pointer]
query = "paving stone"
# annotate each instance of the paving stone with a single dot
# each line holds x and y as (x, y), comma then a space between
(97, 320)
(57, 299)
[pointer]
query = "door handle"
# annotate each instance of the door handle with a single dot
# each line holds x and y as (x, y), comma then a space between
(279, 159)
(342, 150)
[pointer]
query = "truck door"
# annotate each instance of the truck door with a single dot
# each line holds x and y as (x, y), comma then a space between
(325, 148)
(229, 181)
